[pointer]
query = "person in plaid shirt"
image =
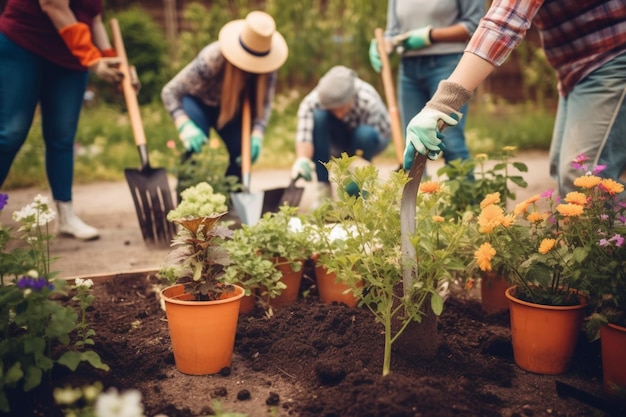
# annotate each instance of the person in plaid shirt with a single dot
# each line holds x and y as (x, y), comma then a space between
(585, 42)
(342, 114)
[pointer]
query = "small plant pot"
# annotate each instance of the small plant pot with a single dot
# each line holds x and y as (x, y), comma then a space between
(202, 332)
(544, 337)
(333, 291)
(613, 347)
(292, 280)
(492, 289)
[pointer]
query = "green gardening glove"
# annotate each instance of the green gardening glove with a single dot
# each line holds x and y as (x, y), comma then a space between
(375, 56)
(191, 136)
(418, 38)
(257, 145)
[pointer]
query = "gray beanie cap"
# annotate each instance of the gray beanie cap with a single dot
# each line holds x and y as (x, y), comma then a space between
(337, 87)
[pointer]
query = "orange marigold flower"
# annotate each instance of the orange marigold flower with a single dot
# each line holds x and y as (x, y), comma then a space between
(429, 187)
(533, 199)
(508, 220)
(587, 181)
(522, 207)
(611, 186)
(493, 198)
(536, 217)
(570, 210)
(438, 219)
(490, 217)
(483, 255)
(576, 197)
(546, 245)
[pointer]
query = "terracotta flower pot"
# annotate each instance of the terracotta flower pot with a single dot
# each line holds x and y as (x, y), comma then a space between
(202, 332)
(331, 290)
(613, 348)
(544, 337)
(492, 288)
(247, 304)
(292, 280)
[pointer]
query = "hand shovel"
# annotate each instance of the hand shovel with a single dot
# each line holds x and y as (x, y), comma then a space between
(149, 186)
(248, 205)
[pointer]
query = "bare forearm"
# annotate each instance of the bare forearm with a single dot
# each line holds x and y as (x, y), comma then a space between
(304, 149)
(99, 33)
(455, 33)
(59, 12)
(471, 71)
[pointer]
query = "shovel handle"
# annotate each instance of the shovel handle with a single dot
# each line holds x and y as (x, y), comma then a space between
(246, 152)
(390, 97)
(130, 94)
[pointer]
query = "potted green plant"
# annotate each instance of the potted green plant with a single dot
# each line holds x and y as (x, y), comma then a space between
(202, 308)
(372, 248)
(549, 247)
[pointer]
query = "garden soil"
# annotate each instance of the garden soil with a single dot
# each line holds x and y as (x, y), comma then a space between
(309, 359)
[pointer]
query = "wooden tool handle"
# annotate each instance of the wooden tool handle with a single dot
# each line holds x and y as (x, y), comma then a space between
(246, 158)
(390, 97)
(129, 92)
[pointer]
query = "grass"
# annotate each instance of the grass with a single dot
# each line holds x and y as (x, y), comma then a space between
(105, 145)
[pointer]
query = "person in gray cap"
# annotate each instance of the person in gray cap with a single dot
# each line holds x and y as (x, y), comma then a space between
(342, 114)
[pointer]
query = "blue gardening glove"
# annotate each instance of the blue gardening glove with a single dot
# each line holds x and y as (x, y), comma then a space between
(423, 135)
(418, 38)
(375, 56)
(302, 168)
(192, 136)
(257, 145)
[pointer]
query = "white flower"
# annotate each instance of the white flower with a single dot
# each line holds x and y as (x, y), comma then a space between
(37, 213)
(87, 283)
(113, 404)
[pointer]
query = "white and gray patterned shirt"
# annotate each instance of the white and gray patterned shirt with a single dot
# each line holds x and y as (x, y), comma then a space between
(202, 78)
(368, 109)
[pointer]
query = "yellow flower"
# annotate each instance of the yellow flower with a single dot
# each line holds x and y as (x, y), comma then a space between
(490, 217)
(481, 157)
(611, 186)
(493, 198)
(576, 197)
(546, 245)
(509, 148)
(536, 217)
(483, 255)
(429, 187)
(438, 219)
(522, 207)
(570, 210)
(508, 220)
(587, 181)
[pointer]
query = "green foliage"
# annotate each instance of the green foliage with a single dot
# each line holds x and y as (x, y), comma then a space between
(198, 201)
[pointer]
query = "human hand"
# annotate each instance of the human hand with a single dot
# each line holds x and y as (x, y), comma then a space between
(418, 38)
(257, 145)
(423, 134)
(191, 136)
(302, 168)
(375, 56)
(134, 79)
(108, 69)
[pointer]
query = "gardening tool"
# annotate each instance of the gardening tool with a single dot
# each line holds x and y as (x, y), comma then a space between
(248, 205)
(149, 186)
(276, 197)
(390, 97)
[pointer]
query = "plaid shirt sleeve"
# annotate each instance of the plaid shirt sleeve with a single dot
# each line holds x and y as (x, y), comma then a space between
(502, 29)
(304, 132)
(371, 110)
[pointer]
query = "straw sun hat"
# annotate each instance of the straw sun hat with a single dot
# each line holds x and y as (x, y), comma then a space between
(253, 44)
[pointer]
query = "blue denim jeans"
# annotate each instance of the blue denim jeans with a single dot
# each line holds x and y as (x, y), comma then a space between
(205, 117)
(331, 137)
(418, 80)
(26, 80)
(591, 120)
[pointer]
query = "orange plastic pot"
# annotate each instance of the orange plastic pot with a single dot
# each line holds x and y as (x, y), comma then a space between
(544, 337)
(613, 348)
(333, 291)
(492, 288)
(202, 332)
(292, 280)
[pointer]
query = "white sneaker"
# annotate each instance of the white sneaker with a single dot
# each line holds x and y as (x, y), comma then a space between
(69, 224)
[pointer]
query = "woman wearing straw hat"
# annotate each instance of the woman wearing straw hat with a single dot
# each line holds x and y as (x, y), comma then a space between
(209, 91)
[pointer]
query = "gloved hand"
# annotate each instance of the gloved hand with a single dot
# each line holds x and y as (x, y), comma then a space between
(423, 135)
(418, 38)
(192, 136)
(375, 56)
(108, 69)
(256, 146)
(302, 168)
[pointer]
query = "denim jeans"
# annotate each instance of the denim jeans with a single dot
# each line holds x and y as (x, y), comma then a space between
(26, 80)
(205, 117)
(418, 80)
(331, 137)
(591, 120)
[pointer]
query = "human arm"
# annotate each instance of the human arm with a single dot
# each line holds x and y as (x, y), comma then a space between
(302, 167)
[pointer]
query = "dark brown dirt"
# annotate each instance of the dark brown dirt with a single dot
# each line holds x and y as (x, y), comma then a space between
(312, 359)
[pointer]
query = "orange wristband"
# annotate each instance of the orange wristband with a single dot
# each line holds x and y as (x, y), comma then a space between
(77, 37)
(109, 53)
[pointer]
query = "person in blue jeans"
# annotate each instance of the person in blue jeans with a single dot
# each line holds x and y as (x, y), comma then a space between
(342, 114)
(431, 36)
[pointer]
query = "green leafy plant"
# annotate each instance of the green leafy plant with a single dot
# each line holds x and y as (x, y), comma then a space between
(556, 251)
(38, 331)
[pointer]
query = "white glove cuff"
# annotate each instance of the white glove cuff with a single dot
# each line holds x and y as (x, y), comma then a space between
(449, 98)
